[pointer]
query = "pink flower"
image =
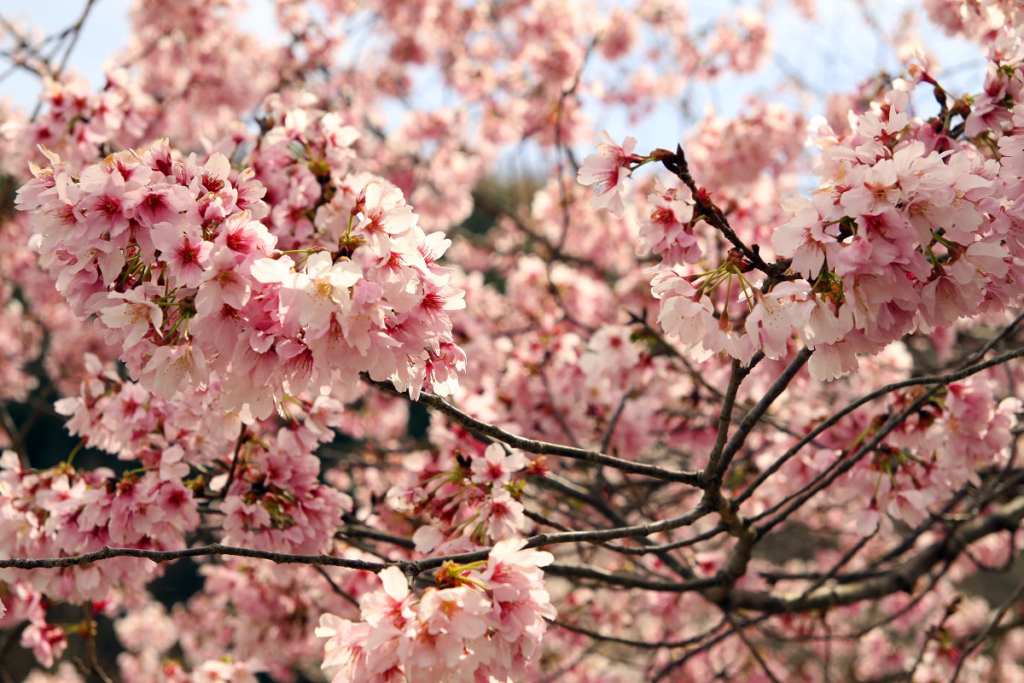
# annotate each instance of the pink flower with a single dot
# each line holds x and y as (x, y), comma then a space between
(945, 300)
(803, 238)
(686, 313)
(362, 652)
(219, 671)
(46, 641)
(184, 251)
(150, 204)
(171, 366)
(606, 170)
(382, 212)
(521, 603)
(393, 605)
(326, 289)
(223, 284)
(447, 620)
(497, 466)
(137, 313)
(427, 538)
(771, 322)
(107, 210)
(504, 515)
(368, 651)
(489, 624)
(513, 566)
(172, 465)
(669, 231)
(825, 325)
(242, 235)
(147, 628)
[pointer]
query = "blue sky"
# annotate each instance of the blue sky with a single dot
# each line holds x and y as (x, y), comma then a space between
(832, 55)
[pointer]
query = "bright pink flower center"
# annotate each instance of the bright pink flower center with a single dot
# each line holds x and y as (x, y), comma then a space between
(188, 254)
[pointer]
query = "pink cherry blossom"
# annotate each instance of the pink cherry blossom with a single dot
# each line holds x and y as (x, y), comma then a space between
(497, 466)
(606, 170)
(393, 384)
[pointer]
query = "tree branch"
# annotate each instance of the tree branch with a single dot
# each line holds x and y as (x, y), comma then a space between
(902, 578)
(867, 398)
(541, 447)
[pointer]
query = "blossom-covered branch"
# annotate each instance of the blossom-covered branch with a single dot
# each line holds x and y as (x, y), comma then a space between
(279, 320)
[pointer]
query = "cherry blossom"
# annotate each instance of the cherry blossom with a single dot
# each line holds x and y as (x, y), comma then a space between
(333, 318)
(606, 170)
(465, 630)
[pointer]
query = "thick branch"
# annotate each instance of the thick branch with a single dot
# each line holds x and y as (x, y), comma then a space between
(845, 463)
(752, 417)
(902, 578)
(736, 376)
(413, 566)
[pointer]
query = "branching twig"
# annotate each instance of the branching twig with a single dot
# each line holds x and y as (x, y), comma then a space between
(541, 447)
(867, 398)
(610, 429)
(335, 587)
(751, 418)
(678, 165)
(642, 644)
(75, 31)
(738, 629)
(234, 462)
(983, 634)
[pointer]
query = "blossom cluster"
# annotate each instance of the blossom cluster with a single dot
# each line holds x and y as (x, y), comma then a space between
(904, 234)
(478, 501)
(171, 258)
(25, 604)
(729, 152)
(269, 614)
(266, 486)
(18, 348)
(483, 620)
(251, 280)
(81, 124)
(937, 451)
(62, 511)
(263, 488)
(980, 21)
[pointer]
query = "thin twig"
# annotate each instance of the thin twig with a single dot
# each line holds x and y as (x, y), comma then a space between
(867, 398)
(234, 462)
(983, 634)
(991, 343)
(335, 587)
(75, 32)
(610, 430)
(753, 650)
(641, 644)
